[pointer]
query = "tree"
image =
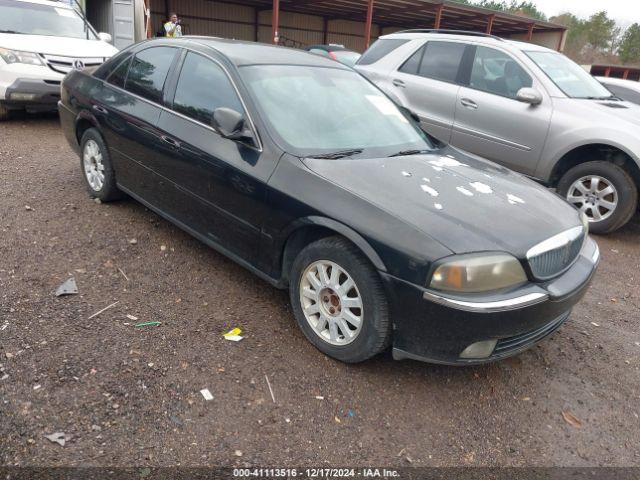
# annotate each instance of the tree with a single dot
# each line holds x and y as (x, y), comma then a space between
(629, 49)
(576, 33)
(601, 31)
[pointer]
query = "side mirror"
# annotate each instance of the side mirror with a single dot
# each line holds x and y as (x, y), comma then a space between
(529, 95)
(230, 124)
(105, 37)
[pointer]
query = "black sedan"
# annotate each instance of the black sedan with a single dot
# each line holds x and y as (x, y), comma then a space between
(308, 175)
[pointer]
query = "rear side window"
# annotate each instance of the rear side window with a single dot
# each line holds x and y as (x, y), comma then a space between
(202, 87)
(148, 72)
(413, 63)
(119, 74)
(496, 72)
(379, 49)
(441, 60)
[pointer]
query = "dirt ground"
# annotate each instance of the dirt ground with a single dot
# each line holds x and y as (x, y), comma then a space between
(131, 396)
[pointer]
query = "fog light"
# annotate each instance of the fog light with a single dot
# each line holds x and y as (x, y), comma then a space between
(482, 349)
(23, 96)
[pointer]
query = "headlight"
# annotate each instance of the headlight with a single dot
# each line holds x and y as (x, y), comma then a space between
(478, 273)
(16, 56)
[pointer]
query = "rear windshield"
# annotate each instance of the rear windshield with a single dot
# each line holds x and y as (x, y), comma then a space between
(381, 48)
(36, 19)
(347, 57)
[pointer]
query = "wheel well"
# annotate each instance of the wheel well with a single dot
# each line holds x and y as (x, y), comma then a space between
(82, 126)
(587, 153)
(300, 239)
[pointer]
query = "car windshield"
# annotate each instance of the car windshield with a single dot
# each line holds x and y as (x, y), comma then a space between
(321, 110)
(572, 79)
(347, 57)
(36, 19)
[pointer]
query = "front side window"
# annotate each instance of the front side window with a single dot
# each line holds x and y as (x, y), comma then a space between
(203, 86)
(568, 76)
(322, 110)
(441, 60)
(380, 48)
(37, 19)
(148, 72)
(496, 72)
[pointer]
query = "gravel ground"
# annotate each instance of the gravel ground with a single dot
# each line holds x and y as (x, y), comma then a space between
(130, 396)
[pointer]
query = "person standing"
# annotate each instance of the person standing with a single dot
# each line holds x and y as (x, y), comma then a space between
(172, 28)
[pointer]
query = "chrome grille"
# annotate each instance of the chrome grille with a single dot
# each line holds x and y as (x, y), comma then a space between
(65, 64)
(556, 254)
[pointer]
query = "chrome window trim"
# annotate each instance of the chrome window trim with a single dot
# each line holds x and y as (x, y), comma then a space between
(209, 127)
(488, 307)
(557, 241)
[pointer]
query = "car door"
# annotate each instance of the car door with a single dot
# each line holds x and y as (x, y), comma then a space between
(427, 83)
(128, 107)
(218, 185)
(491, 122)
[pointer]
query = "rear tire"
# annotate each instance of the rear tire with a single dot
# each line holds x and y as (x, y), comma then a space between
(338, 300)
(97, 168)
(605, 192)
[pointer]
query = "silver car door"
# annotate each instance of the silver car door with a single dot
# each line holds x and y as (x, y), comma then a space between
(491, 122)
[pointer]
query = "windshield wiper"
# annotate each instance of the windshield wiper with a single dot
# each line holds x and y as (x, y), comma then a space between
(610, 97)
(10, 31)
(337, 155)
(408, 152)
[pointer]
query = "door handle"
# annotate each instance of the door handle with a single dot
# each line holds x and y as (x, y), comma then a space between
(100, 109)
(398, 83)
(469, 104)
(170, 141)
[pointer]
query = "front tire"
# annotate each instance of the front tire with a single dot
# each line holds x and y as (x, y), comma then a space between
(338, 300)
(603, 191)
(97, 168)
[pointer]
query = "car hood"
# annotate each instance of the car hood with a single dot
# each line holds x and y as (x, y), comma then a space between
(464, 202)
(63, 46)
(612, 114)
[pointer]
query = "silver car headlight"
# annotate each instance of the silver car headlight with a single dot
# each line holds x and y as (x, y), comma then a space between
(475, 273)
(16, 56)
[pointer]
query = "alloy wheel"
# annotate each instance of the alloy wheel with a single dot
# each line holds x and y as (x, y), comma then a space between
(331, 302)
(93, 166)
(595, 196)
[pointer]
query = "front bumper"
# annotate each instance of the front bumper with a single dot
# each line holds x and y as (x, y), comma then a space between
(32, 94)
(437, 328)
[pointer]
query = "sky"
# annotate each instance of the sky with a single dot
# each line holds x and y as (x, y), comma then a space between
(625, 12)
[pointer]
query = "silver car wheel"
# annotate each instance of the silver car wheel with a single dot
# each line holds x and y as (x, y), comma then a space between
(331, 302)
(93, 166)
(595, 196)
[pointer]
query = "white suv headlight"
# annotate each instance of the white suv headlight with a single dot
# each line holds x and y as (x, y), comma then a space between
(16, 56)
(476, 273)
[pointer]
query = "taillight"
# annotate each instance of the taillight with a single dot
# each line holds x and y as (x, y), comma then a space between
(333, 55)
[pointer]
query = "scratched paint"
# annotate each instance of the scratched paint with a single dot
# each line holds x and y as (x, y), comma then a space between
(481, 187)
(438, 206)
(431, 191)
(425, 179)
(436, 168)
(406, 174)
(464, 191)
(513, 200)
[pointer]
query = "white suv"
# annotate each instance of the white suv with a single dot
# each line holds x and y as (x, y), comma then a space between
(40, 42)
(522, 105)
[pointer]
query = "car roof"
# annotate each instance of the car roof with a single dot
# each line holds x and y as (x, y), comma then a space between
(51, 3)
(328, 48)
(469, 37)
(241, 52)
